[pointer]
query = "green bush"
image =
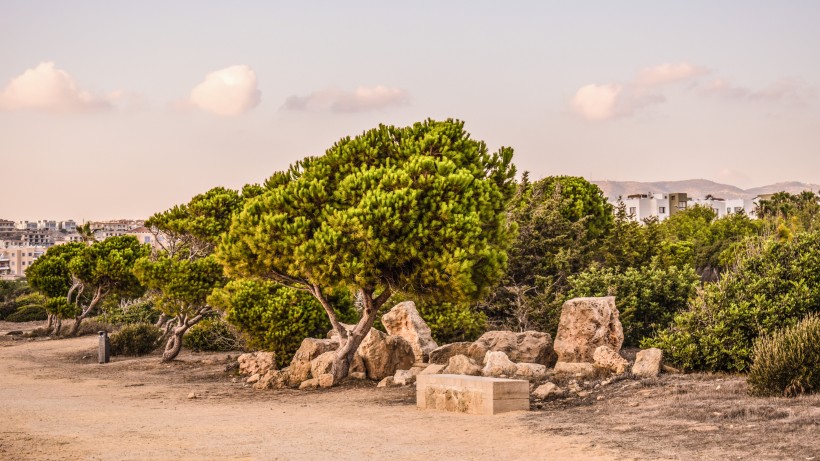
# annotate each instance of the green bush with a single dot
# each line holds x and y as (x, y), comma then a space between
(128, 312)
(212, 334)
(450, 323)
(277, 318)
(93, 326)
(7, 309)
(786, 363)
(29, 313)
(647, 297)
(773, 285)
(137, 339)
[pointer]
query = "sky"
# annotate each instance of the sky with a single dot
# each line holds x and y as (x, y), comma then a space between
(122, 109)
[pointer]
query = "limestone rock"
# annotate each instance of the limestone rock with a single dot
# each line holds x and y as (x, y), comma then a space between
(253, 378)
(433, 369)
(386, 382)
(273, 379)
(357, 375)
(497, 364)
(604, 357)
(404, 320)
(528, 346)
(585, 324)
(309, 384)
(322, 364)
(648, 363)
(299, 369)
(383, 354)
(547, 390)
(531, 371)
(441, 355)
(582, 369)
(256, 363)
(325, 380)
(461, 365)
(406, 377)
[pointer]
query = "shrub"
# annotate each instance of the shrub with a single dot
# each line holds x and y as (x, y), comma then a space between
(785, 363)
(122, 312)
(647, 298)
(29, 313)
(93, 326)
(7, 309)
(773, 285)
(137, 339)
(276, 318)
(212, 334)
(452, 322)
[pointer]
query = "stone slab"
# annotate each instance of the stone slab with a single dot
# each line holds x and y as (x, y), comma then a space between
(472, 394)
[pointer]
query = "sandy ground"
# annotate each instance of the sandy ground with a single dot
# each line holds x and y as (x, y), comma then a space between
(57, 403)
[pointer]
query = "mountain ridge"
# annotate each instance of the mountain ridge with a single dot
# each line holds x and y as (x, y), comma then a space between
(698, 188)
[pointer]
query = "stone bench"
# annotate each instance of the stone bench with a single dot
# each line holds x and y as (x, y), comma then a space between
(472, 394)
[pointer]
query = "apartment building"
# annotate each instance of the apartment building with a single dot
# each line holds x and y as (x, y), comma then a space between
(662, 206)
(19, 259)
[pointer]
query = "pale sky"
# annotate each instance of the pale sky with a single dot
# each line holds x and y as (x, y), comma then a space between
(115, 109)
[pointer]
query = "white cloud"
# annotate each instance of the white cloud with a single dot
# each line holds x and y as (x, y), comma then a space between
(597, 102)
(360, 100)
(668, 73)
(50, 89)
(229, 91)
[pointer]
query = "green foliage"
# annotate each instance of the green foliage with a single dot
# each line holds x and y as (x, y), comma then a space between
(562, 222)
(140, 310)
(803, 208)
(450, 322)
(647, 297)
(785, 363)
(212, 334)
(183, 285)
(135, 339)
(774, 284)
(630, 243)
(108, 265)
(93, 326)
(29, 313)
(50, 275)
(417, 209)
(277, 318)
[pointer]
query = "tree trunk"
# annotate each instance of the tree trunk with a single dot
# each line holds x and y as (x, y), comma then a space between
(76, 327)
(174, 344)
(50, 323)
(347, 350)
(58, 327)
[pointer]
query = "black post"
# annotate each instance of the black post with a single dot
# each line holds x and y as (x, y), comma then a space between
(104, 353)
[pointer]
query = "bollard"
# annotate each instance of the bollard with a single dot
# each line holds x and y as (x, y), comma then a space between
(104, 353)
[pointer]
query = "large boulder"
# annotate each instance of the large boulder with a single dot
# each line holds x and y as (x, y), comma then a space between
(441, 355)
(586, 324)
(256, 363)
(300, 367)
(648, 363)
(383, 354)
(322, 364)
(404, 320)
(528, 346)
(273, 379)
(460, 365)
(604, 357)
(496, 363)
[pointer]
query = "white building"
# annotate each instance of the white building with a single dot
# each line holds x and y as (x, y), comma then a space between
(662, 206)
(20, 258)
(68, 226)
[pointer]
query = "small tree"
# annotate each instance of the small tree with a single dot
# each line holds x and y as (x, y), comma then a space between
(415, 210)
(50, 275)
(185, 272)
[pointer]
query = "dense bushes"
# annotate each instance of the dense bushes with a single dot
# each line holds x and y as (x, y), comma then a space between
(124, 312)
(277, 318)
(786, 363)
(774, 284)
(30, 313)
(647, 298)
(452, 322)
(137, 339)
(212, 334)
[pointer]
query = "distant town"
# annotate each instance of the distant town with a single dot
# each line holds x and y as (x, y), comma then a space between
(22, 242)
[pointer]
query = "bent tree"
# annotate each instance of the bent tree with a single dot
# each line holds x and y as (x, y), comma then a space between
(51, 277)
(184, 272)
(416, 210)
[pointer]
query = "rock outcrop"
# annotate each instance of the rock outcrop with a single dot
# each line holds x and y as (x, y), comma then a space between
(300, 366)
(383, 354)
(404, 320)
(497, 364)
(461, 365)
(648, 363)
(586, 324)
(528, 346)
(604, 357)
(441, 355)
(256, 363)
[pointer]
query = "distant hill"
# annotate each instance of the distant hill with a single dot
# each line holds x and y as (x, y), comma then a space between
(698, 188)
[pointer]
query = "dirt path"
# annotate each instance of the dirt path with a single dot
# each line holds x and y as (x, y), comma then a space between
(57, 403)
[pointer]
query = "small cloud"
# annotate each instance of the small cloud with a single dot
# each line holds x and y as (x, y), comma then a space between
(340, 101)
(229, 91)
(668, 73)
(597, 102)
(50, 89)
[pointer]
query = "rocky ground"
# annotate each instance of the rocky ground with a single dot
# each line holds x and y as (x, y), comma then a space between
(58, 403)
